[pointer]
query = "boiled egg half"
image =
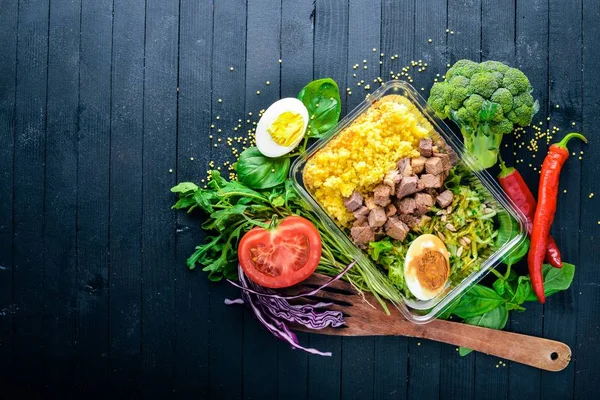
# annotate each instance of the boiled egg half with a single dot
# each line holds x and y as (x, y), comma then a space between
(281, 127)
(426, 267)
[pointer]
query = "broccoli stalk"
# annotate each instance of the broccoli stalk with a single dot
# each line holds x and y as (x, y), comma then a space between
(486, 101)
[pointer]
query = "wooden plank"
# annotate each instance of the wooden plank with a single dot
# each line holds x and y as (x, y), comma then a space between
(330, 60)
(456, 374)
(28, 195)
(93, 196)
(262, 54)
(391, 359)
(565, 107)
(358, 362)
(497, 43)
(464, 25)
(229, 51)
(532, 58)
(8, 67)
(158, 220)
(60, 270)
(194, 106)
(127, 113)
(296, 72)
(588, 297)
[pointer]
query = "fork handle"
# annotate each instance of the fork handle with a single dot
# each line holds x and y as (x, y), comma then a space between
(545, 354)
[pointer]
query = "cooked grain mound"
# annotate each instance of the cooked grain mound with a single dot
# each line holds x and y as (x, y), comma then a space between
(360, 156)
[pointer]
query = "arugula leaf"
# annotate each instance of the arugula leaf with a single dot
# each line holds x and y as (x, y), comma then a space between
(477, 301)
(184, 187)
(220, 219)
(322, 100)
(493, 319)
(259, 172)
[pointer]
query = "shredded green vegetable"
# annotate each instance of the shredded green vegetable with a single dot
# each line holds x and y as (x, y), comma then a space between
(469, 232)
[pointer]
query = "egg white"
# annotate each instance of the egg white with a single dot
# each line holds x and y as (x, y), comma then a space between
(415, 249)
(264, 142)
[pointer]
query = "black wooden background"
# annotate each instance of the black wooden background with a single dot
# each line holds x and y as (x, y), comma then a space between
(100, 99)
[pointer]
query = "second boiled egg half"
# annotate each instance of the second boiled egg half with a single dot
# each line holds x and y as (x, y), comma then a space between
(281, 127)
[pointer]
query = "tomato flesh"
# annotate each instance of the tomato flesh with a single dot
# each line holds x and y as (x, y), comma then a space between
(283, 256)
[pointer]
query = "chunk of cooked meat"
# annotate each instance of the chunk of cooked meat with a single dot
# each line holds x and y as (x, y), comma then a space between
(407, 186)
(434, 166)
(446, 162)
(418, 164)
(396, 229)
(360, 222)
(430, 181)
(410, 220)
(391, 179)
(353, 202)
(377, 217)
(426, 147)
(405, 167)
(424, 203)
(406, 205)
(390, 210)
(362, 235)
(381, 194)
(444, 199)
(370, 202)
(362, 213)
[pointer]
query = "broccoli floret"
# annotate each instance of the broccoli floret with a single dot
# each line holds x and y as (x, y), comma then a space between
(484, 84)
(486, 100)
(503, 97)
(516, 81)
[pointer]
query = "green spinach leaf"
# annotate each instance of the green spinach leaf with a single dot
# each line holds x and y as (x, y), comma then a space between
(184, 187)
(259, 172)
(322, 99)
(477, 301)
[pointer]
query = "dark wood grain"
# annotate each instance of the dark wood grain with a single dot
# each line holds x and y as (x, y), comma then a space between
(226, 323)
(565, 82)
(60, 283)
(193, 115)
(126, 140)
(8, 84)
(588, 276)
(93, 196)
(28, 200)
(158, 220)
(97, 105)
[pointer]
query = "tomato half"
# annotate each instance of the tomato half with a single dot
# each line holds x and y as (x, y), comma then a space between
(283, 256)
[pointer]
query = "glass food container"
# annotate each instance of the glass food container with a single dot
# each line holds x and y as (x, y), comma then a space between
(418, 311)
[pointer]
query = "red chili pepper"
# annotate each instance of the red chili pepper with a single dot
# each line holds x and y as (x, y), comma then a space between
(544, 213)
(514, 185)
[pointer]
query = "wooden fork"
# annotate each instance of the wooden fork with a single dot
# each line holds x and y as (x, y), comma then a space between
(364, 317)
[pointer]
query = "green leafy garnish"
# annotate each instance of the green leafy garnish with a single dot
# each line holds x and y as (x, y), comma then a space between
(259, 172)
(322, 99)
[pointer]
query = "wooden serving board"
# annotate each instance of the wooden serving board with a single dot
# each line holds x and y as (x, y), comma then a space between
(364, 317)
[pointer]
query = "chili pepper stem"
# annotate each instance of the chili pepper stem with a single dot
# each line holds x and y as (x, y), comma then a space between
(563, 143)
(504, 170)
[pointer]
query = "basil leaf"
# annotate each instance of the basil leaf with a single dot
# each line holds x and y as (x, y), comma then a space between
(523, 290)
(477, 301)
(555, 279)
(493, 319)
(259, 172)
(499, 286)
(184, 187)
(322, 100)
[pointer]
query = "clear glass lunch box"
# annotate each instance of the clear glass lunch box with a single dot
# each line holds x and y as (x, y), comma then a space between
(417, 311)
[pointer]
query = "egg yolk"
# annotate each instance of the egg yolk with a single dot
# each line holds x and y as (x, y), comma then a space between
(286, 128)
